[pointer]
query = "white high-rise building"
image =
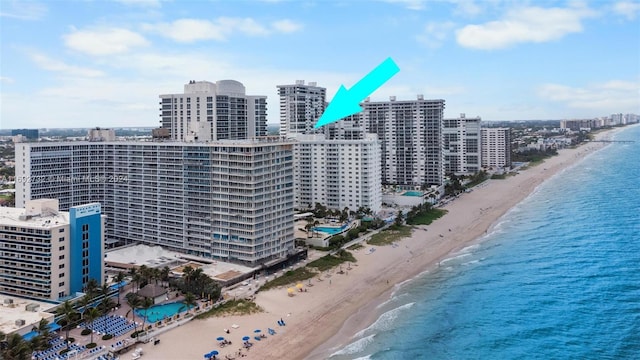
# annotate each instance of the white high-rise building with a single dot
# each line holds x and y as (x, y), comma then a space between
(209, 111)
(230, 200)
(496, 147)
(461, 146)
(410, 132)
(300, 107)
(337, 173)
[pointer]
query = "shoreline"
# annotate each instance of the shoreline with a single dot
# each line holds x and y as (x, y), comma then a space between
(338, 306)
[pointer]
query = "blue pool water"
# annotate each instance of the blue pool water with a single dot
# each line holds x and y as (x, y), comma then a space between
(413, 193)
(330, 230)
(159, 312)
(558, 278)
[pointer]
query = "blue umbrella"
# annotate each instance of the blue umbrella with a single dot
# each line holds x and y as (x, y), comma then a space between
(245, 338)
(213, 353)
(257, 331)
(207, 356)
(220, 338)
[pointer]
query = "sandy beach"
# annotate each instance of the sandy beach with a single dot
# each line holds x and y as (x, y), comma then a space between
(338, 305)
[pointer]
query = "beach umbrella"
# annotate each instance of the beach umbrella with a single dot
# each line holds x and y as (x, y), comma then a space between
(207, 356)
(290, 290)
(257, 331)
(214, 353)
(299, 286)
(246, 338)
(219, 338)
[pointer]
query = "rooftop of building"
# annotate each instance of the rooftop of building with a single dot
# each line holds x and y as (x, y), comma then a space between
(13, 309)
(38, 214)
(276, 140)
(158, 257)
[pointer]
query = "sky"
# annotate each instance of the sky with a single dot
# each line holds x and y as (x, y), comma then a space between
(104, 63)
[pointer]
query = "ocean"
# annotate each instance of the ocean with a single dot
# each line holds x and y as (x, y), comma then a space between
(558, 277)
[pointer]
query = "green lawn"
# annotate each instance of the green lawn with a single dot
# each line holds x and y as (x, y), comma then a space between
(427, 217)
(289, 277)
(329, 261)
(390, 235)
(232, 307)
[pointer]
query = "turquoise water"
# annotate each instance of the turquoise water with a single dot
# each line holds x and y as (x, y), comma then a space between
(413, 193)
(159, 312)
(558, 278)
(330, 230)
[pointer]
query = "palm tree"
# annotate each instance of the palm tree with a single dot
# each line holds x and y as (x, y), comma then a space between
(90, 315)
(68, 313)
(308, 227)
(106, 304)
(190, 301)
(134, 302)
(146, 304)
(91, 288)
(16, 348)
(164, 274)
(84, 305)
(119, 278)
(132, 272)
(41, 342)
(186, 273)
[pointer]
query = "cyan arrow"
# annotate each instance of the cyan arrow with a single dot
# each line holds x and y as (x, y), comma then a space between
(347, 102)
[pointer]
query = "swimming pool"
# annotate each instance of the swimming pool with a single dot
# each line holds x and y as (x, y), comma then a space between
(413, 193)
(159, 312)
(330, 230)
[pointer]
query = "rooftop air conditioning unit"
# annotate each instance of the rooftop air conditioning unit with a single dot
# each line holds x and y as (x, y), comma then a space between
(20, 322)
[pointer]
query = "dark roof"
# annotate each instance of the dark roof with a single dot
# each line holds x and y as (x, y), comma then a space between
(152, 291)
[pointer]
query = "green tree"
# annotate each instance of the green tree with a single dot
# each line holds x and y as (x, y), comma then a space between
(91, 288)
(68, 314)
(189, 301)
(90, 316)
(119, 278)
(164, 274)
(134, 302)
(146, 304)
(398, 220)
(16, 348)
(41, 341)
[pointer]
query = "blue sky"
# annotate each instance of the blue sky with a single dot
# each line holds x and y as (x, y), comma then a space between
(104, 63)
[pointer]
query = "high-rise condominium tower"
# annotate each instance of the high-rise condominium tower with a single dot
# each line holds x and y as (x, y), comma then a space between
(461, 145)
(496, 147)
(230, 200)
(209, 111)
(410, 132)
(300, 107)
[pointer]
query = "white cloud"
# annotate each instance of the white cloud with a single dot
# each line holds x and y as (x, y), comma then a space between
(47, 63)
(105, 41)
(191, 30)
(409, 4)
(6, 80)
(286, 26)
(627, 9)
(435, 33)
(23, 10)
(528, 24)
(141, 3)
(605, 98)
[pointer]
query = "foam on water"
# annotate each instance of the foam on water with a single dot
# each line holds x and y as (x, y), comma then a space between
(385, 320)
(356, 346)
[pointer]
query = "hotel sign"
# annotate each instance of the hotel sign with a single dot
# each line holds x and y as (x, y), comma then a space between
(86, 210)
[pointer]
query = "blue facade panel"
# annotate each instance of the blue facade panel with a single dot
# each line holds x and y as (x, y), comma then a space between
(86, 250)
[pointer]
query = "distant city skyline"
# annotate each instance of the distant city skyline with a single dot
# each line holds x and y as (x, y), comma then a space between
(85, 64)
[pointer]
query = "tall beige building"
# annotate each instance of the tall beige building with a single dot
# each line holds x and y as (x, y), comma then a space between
(208, 111)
